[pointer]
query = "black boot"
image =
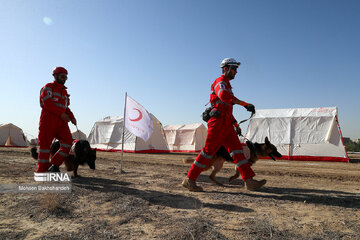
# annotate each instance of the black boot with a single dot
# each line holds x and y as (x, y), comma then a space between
(54, 168)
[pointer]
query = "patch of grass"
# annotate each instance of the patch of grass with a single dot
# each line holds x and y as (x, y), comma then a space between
(54, 204)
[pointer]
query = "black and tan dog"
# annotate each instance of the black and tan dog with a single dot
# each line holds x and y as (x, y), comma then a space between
(82, 154)
(257, 150)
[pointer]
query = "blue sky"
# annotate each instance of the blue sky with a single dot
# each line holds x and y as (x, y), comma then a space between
(166, 54)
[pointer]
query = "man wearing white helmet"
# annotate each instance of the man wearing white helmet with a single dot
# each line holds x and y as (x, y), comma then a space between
(221, 130)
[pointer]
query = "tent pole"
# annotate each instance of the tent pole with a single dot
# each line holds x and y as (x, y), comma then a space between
(289, 150)
(342, 139)
(123, 134)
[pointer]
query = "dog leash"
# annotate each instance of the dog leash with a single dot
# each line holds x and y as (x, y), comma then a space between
(245, 137)
(252, 114)
(78, 131)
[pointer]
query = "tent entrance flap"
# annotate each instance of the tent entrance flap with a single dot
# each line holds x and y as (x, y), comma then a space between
(9, 142)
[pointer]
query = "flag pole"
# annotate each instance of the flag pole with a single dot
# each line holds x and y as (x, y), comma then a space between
(123, 134)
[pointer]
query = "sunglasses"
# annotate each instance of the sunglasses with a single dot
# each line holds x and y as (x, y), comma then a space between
(63, 76)
(233, 67)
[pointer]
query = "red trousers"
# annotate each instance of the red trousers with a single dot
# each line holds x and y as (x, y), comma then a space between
(221, 132)
(51, 127)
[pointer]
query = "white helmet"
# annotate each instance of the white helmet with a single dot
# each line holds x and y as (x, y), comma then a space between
(229, 62)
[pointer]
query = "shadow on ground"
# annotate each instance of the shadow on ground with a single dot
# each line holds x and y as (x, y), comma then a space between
(225, 181)
(154, 197)
(312, 196)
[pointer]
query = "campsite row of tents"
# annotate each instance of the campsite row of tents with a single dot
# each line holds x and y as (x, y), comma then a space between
(298, 134)
(107, 135)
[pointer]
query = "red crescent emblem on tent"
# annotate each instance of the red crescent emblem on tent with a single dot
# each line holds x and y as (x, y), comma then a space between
(138, 118)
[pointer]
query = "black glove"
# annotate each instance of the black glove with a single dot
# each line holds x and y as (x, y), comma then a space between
(250, 108)
(206, 114)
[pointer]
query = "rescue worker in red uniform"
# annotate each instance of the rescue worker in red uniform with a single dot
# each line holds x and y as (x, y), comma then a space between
(221, 130)
(55, 115)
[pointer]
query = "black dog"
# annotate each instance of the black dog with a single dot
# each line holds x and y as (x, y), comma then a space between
(82, 154)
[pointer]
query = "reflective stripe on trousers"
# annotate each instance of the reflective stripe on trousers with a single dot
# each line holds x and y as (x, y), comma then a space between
(63, 154)
(242, 162)
(236, 152)
(199, 164)
(44, 150)
(205, 155)
(43, 160)
(65, 145)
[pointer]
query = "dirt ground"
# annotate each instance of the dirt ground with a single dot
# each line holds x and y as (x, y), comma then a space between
(301, 200)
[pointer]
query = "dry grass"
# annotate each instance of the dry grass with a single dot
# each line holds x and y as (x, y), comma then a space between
(300, 201)
(54, 204)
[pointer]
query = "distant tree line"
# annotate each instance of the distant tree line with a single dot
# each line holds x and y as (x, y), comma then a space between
(352, 146)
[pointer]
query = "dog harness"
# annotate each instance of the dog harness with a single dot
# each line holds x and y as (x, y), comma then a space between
(72, 149)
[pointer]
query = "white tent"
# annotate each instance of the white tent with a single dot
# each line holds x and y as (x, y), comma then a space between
(79, 135)
(107, 135)
(186, 137)
(300, 133)
(11, 135)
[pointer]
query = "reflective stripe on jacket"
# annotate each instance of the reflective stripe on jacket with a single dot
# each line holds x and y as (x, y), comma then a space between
(222, 96)
(55, 99)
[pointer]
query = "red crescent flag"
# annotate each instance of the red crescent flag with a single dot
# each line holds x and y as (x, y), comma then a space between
(137, 120)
